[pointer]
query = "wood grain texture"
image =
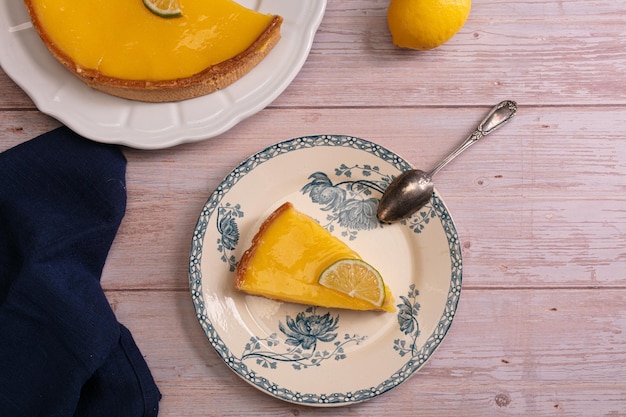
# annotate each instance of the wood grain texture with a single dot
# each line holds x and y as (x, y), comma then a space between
(502, 357)
(549, 53)
(539, 207)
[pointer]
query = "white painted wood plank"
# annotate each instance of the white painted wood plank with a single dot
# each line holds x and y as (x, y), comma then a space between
(533, 205)
(509, 352)
(540, 203)
(565, 52)
(539, 207)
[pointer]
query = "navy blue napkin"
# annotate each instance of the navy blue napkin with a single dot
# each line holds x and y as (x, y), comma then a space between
(62, 350)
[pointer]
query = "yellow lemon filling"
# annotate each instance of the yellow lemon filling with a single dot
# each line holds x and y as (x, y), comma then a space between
(287, 257)
(123, 39)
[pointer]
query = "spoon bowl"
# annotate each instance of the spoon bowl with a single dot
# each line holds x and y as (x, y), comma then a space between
(412, 189)
(406, 194)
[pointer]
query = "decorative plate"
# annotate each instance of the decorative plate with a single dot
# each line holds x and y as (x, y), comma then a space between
(316, 356)
(104, 118)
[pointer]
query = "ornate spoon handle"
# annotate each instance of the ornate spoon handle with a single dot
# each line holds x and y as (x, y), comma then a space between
(497, 117)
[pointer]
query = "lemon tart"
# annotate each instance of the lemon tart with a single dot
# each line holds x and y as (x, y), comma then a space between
(123, 49)
(289, 254)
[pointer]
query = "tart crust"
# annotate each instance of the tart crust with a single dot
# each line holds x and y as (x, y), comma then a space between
(318, 295)
(205, 82)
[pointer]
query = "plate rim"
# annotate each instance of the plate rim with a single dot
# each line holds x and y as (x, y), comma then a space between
(260, 382)
(177, 132)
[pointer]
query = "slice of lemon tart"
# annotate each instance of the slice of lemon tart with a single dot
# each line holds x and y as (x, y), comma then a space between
(123, 48)
(294, 259)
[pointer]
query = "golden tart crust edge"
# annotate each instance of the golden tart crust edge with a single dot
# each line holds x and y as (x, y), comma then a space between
(247, 256)
(205, 82)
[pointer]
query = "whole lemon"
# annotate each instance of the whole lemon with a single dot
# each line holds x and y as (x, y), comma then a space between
(426, 24)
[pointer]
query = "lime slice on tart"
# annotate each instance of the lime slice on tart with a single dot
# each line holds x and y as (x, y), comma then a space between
(355, 278)
(164, 8)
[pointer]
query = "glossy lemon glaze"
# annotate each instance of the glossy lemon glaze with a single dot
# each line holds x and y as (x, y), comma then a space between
(123, 39)
(289, 258)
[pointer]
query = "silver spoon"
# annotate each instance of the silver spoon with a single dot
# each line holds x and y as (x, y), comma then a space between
(412, 189)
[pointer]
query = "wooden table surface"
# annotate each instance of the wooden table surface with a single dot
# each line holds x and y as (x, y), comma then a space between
(540, 207)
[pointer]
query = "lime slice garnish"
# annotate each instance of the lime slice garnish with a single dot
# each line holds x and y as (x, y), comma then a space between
(355, 278)
(164, 8)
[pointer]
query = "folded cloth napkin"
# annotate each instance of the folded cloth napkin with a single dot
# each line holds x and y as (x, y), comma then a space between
(62, 350)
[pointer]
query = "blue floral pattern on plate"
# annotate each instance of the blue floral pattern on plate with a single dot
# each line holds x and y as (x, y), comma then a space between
(306, 338)
(226, 222)
(305, 334)
(352, 203)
